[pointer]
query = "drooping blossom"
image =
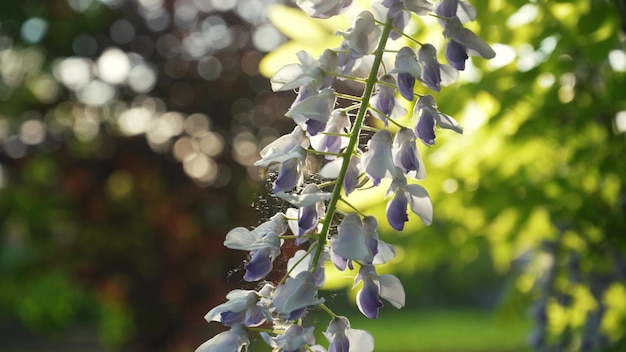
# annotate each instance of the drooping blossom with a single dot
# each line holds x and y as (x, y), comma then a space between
(427, 114)
(308, 215)
(292, 340)
(363, 37)
(296, 294)
(313, 112)
(455, 31)
(406, 156)
(343, 338)
(434, 74)
(242, 308)
(309, 72)
(324, 8)
(357, 240)
(404, 195)
(262, 242)
(377, 161)
(450, 8)
(384, 102)
(375, 286)
(408, 70)
(233, 340)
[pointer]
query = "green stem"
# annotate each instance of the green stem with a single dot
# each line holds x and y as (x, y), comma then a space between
(327, 310)
(352, 144)
(351, 206)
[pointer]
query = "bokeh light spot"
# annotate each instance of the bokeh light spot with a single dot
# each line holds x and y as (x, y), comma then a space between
(122, 32)
(113, 66)
(33, 30)
(209, 68)
(32, 132)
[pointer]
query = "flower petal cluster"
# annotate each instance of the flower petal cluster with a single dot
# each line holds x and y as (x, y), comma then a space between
(363, 37)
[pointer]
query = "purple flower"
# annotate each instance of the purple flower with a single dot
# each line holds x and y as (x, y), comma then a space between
(406, 155)
(456, 54)
(350, 243)
(292, 340)
(384, 102)
(362, 38)
(231, 340)
(378, 160)
(330, 142)
(288, 175)
(293, 297)
(450, 8)
(455, 31)
(400, 17)
(308, 215)
(427, 113)
(262, 242)
(396, 211)
(431, 72)
(324, 8)
(317, 107)
(343, 338)
(411, 195)
(241, 309)
(353, 173)
(408, 69)
(374, 287)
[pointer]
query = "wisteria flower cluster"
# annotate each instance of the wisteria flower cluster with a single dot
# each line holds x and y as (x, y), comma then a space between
(334, 131)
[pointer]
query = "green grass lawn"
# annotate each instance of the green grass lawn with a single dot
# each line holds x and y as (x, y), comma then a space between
(450, 331)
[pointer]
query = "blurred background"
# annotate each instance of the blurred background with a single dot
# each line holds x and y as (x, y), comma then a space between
(128, 129)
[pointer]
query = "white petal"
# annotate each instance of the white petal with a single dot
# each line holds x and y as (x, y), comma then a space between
(241, 238)
(392, 290)
(331, 169)
(302, 200)
(386, 252)
(447, 122)
(298, 262)
(449, 74)
(420, 203)
(360, 340)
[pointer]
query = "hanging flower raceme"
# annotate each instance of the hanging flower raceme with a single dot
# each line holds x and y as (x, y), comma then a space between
(427, 114)
(322, 162)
